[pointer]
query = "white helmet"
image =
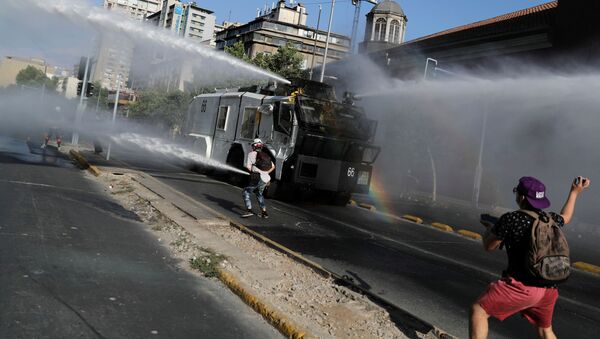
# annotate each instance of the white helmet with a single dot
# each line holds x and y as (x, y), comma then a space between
(257, 143)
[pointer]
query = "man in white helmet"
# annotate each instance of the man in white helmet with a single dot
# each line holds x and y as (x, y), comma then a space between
(260, 166)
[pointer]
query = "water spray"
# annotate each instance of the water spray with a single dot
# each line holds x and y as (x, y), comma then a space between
(160, 146)
(107, 21)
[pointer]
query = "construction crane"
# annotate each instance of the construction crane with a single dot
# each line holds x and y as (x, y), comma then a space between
(356, 4)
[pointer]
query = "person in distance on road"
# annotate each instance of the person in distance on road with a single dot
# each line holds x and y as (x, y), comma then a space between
(52, 131)
(260, 166)
(519, 290)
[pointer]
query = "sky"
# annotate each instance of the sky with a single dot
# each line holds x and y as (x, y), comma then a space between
(424, 17)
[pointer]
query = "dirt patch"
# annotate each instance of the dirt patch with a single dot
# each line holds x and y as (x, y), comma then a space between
(315, 303)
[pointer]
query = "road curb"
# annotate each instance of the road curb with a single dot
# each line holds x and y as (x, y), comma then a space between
(82, 161)
(443, 227)
(587, 267)
(469, 234)
(412, 218)
(284, 325)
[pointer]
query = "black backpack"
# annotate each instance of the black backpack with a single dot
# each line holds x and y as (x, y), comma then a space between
(263, 161)
(548, 254)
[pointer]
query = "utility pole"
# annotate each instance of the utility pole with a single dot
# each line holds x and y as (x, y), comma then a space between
(114, 118)
(79, 113)
(356, 4)
(327, 42)
(312, 64)
(99, 94)
(479, 168)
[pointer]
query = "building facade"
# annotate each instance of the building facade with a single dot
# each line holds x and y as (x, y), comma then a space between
(186, 20)
(386, 27)
(283, 24)
(11, 66)
(67, 86)
(115, 52)
(544, 35)
(113, 61)
(221, 27)
(137, 9)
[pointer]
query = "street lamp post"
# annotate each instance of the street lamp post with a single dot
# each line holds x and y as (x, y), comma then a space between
(479, 168)
(79, 113)
(327, 42)
(114, 117)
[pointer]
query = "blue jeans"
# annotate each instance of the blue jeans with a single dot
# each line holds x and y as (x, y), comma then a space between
(258, 188)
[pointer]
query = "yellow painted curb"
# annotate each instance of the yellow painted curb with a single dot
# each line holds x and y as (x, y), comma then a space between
(412, 218)
(469, 234)
(442, 227)
(94, 170)
(367, 206)
(284, 325)
(587, 267)
(84, 163)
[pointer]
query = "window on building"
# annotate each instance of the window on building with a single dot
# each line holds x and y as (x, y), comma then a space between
(380, 29)
(394, 36)
(248, 122)
(222, 118)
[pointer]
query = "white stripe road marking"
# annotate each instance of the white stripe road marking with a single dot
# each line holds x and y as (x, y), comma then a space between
(435, 255)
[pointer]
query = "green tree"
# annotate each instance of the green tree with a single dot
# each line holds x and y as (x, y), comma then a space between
(287, 62)
(100, 96)
(158, 107)
(237, 50)
(33, 77)
(263, 61)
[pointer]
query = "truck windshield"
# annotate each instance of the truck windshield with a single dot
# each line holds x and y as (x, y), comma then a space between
(334, 118)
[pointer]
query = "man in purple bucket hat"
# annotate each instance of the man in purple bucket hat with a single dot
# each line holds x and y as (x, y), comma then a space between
(520, 290)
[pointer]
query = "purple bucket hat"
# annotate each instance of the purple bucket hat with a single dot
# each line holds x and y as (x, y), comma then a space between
(534, 191)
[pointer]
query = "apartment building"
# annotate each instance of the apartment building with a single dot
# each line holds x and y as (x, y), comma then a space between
(283, 24)
(11, 66)
(187, 20)
(115, 52)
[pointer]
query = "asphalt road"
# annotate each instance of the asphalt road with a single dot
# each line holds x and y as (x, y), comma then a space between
(75, 264)
(432, 274)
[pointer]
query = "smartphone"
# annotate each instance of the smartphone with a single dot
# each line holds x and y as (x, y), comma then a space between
(489, 218)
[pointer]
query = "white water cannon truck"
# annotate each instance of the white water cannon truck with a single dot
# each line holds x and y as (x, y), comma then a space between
(315, 141)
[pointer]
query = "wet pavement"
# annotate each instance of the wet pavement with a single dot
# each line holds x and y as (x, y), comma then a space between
(76, 264)
(432, 274)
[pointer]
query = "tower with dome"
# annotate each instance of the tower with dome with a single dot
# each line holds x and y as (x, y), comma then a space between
(386, 27)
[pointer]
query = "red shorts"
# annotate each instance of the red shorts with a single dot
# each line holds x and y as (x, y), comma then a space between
(508, 296)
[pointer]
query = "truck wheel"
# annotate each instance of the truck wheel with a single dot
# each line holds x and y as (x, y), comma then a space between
(340, 198)
(273, 190)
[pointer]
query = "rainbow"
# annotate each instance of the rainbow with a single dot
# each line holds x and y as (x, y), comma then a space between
(381, 198)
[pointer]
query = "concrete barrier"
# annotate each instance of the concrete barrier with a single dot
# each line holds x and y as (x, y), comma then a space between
(587, 267)
(469, 234)
(443, 227)
(366, 206)
(412, 218)
(82, 161)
